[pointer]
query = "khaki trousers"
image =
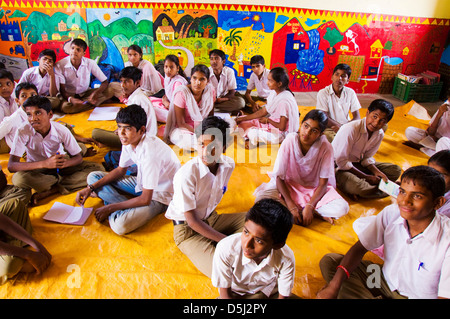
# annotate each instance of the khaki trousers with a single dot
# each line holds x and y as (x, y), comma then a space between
(67, 180)
(236, 103)
(349, 183)
(108, 138)
(17, 211)
(362, 283)
(69, 108)
(199, 249)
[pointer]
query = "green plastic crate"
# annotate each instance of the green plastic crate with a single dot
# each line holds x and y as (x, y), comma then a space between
(406, 91)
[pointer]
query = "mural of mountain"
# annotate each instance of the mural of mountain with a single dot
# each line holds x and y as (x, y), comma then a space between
(39, 23)
(124, 26)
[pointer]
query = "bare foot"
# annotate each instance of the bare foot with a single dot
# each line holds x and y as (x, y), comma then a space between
(36, 197)
(91, 151)
(327, 219)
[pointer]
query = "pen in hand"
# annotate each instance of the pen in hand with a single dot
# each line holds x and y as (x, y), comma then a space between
(57, 169)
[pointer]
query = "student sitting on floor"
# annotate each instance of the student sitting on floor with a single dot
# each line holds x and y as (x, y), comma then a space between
(45, 77)
(338, 101)
(10, 124)
(198, 188)
(47, 169)
(190, 105)
(416, 247)
(174, 77)
(303, 175)
(258, 80)
(278, 117)
(152, 81)
(130, 79)
(151, 190)
(8, 104)
(257, 263)
(355, 144)
(437, 136)
(76, 70)
(15, 234)
(440, 161)
(224, 82)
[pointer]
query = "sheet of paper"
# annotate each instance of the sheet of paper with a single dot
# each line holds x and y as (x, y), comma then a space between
(58, 212)
(104, 113)
(390, 188)
(66, 214)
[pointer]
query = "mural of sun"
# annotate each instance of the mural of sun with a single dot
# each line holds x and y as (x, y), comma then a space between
(256, 18)
(107, 17)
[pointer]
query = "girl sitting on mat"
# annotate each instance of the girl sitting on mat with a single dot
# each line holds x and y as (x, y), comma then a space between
(303, 175)
(278, 117)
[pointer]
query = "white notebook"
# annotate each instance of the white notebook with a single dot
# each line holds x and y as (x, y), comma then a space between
(104, 113)
(389, 188)
(66, 214)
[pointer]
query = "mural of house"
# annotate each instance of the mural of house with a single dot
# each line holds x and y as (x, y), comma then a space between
(62, 26)
(165, 33)
(10, 31)
(376, 50)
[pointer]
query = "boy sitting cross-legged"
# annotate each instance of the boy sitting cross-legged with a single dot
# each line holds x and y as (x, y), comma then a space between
(416, 247)
(150, 191)
(48, 170)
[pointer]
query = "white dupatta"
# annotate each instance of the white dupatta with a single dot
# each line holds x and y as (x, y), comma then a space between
(196, 112)
(285, 97)
(170, 82)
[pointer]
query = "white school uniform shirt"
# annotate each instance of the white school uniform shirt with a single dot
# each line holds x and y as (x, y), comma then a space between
(443, 129)
(352, 144)
(197, 189)
(138, 97)
(156, 164)
(232, 269)
(42, 83)
(40, 148)
(227, 81)
(260, 84)
(10, 125)
(339, 109)
(7, 107)
(152, 81)
(77, 81)
(416, 267)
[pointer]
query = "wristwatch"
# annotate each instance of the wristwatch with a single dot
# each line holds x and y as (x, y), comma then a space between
(91, 187)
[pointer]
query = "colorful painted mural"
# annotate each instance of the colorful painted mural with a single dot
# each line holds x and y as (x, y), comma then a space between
(308, 43)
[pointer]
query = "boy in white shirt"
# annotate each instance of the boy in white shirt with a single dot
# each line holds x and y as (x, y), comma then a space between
(151, 189)
(437, 136)
(257, 263)
(198, 188)
(130, 80)
(76, 70)
(355, 144)
(47, 170)
(45, 77)
(338, 101)
(258, 81)
(10, 124)
(223, 80)
(416, 247)
(8, 104)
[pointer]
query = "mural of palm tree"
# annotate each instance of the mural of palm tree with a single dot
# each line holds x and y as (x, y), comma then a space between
(233, 40)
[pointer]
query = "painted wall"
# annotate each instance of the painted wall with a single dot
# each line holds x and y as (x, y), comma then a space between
(308, 43)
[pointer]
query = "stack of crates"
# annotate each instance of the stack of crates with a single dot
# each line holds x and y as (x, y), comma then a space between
(407, 91)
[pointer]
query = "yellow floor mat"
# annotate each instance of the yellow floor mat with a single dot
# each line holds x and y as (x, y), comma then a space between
(90, 261)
